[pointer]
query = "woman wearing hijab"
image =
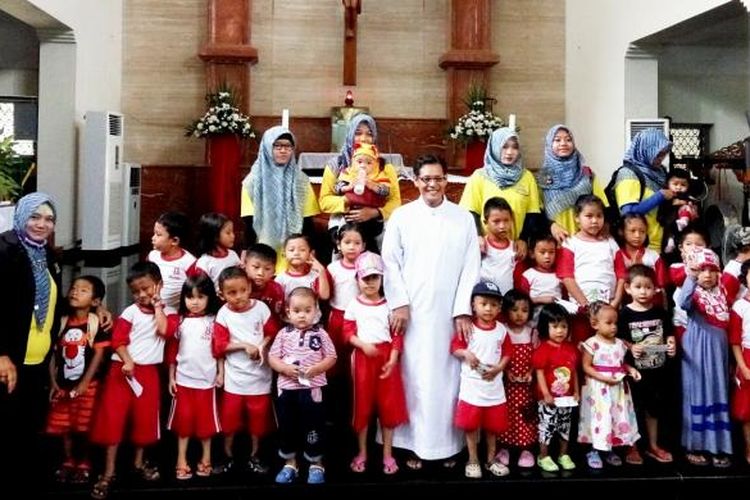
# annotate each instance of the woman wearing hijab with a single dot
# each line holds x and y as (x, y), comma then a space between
(277, 198)
(645, 153)
(562, 179)
(362, 130)
(504, 176)
(29, 305)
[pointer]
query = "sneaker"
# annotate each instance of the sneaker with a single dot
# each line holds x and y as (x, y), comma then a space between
(613, 459)
(566, 462)
(287, 474)
(547, 464)
(593, 460)
(526, 460)
(503, 456)
(224, 467)
(256, 466)
(473, 470)
(316, 475)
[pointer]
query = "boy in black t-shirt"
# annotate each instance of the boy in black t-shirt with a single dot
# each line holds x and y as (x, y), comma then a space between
(643, 327)
(74, 372)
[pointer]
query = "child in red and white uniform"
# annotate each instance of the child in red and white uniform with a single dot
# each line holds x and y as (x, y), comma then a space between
(633, 232)
(730, 278)
(586, 264)
(243, 330)
(376, 372)
(481, 396)
(75, 372)
(498, 250)
(522, 431)
(691, 239)
(540, 282)
(132, 389)
(343, 278)
(303, 269)
(170, 231)
(215, 245)
(739, 339)
(194, 373)
(301, 354)
(260, 267)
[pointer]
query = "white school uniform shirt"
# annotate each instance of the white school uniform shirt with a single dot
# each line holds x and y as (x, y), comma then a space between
(431, 265)
(732, 273)
(213, 266)
(742, 309)
(373, 326)
(173, 276)
(196, 365)
(677, 275)
(487, 346)
(145, 346)
(343, 283)
(498, 264)
(242, 375)
(593, 266)
(541, 283)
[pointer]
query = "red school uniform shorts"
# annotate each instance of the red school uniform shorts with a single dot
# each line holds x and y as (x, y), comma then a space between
(255, 411)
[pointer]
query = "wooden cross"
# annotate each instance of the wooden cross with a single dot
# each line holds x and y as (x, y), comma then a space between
(352, 8)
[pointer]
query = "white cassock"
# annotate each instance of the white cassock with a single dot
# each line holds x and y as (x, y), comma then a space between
(431, 264)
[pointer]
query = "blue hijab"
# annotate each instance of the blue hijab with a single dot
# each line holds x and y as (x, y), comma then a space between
(277, 191)
(562, 179)
(643, 150)
(36, 251)
(502, 175)
(345, 156)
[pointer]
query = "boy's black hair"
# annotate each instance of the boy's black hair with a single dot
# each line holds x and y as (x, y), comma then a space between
(176, 224)
(743, 272)
(540, 237)
(209, 230)
(262, 251)
(640, 271)
(297, 236)
(429, 159)
(205, 286)
(511, 297)
(694, 227)
(97, 285)
(551, 313)
(587, 199)
(230, 273)
(302, 291)
(679, 173)
(143, 269)
(496, 203)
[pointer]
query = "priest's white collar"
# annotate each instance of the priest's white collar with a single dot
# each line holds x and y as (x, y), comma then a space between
(427, 207)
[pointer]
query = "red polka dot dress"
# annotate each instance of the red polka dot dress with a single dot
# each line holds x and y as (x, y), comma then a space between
(522, 414)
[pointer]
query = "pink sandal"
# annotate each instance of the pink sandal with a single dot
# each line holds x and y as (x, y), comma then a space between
(390, 466)
(359, 464)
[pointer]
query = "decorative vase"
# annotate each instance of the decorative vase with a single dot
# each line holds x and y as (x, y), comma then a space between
(474, 156)
(224, 156)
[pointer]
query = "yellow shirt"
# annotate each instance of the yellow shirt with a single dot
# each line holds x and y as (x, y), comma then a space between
(567, 218)
(330, 203)
(40, 339)
(628, 191)
(523, 197)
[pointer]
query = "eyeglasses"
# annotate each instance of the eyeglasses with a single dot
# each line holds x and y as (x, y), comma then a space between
(437, 179)
(283, 147)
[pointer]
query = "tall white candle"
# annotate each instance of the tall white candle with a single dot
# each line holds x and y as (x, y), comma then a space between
(512, 122)
(285, 118)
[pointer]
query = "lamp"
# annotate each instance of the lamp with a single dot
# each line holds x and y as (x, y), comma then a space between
(349, 100)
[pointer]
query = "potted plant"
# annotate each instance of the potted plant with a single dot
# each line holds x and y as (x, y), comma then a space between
(474, 128)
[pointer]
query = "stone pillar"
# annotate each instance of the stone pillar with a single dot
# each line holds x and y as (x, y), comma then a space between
(228, 54)
(470, 55)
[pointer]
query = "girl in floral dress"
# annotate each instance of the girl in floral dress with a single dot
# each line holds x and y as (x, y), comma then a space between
(608, 418)
(522, 433)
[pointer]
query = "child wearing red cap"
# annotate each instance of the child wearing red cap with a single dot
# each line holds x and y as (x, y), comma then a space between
(376, 372)
(705, 363)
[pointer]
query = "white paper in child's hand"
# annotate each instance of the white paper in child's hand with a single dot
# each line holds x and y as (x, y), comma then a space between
(569, 306)
(135, 386)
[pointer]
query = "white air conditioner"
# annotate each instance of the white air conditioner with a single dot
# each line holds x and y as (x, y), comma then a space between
(118, 295)
(635, 125)
(131, 214)
(100, 182)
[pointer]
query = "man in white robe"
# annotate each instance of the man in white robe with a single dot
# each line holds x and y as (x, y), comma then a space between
(432, 262)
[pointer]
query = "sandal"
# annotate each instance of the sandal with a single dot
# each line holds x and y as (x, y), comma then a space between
(634, 456)
(414, 463)
(497, 469)
(203, 469)
(82, 473)
(148, 472)
(696, 459)
(100, 491)
(721, 461)
(390, 466)
(662, 456)
(359, 464)
(613, 459)
(65, 472)
(183, 473)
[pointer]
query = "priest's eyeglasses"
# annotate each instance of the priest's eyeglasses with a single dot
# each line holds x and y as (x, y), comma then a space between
(438, 179)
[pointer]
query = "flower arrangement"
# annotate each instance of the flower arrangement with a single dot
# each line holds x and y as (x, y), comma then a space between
(479, 122)
(222, 117)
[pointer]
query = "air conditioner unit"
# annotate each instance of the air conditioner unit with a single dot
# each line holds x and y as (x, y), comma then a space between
(100, 183)
(635, 125)
(131, 214)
